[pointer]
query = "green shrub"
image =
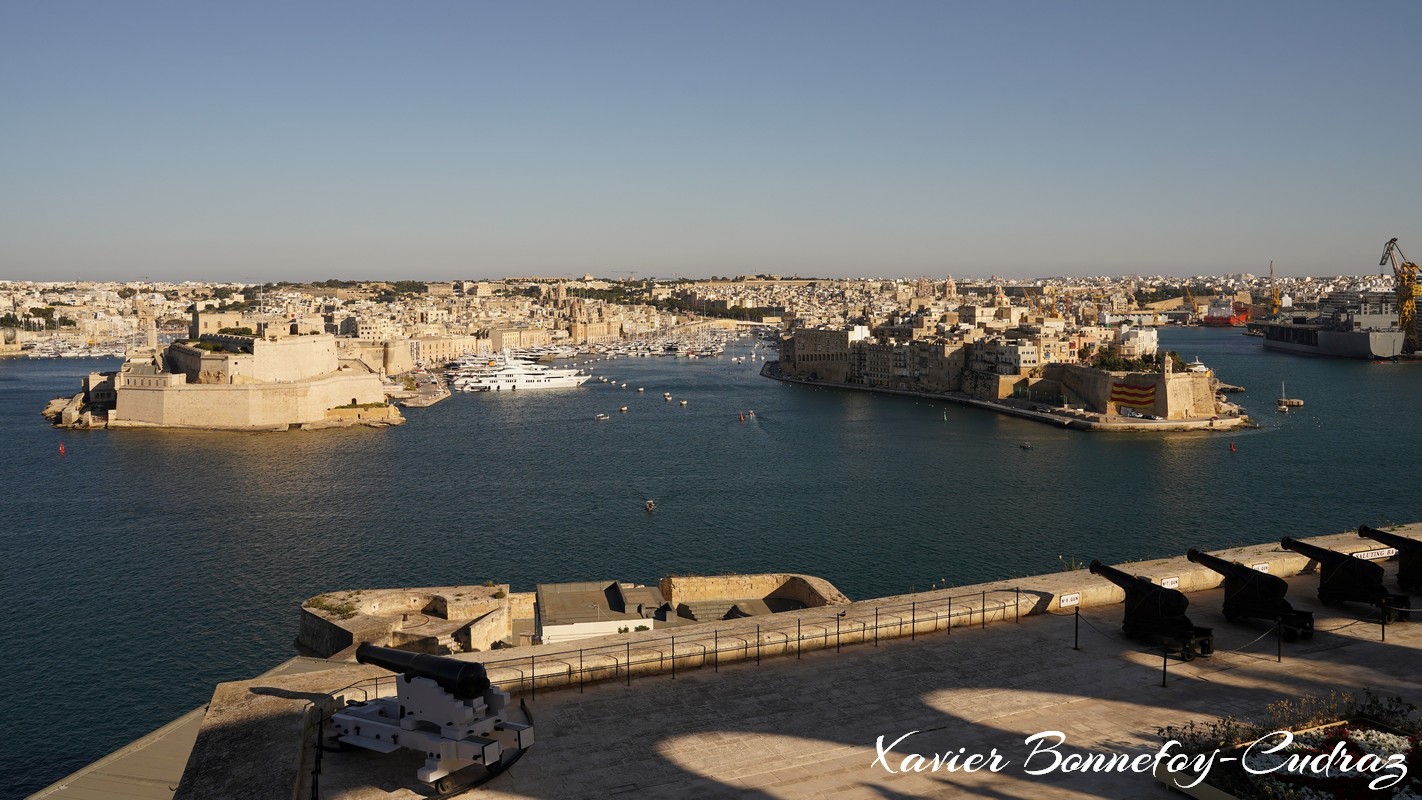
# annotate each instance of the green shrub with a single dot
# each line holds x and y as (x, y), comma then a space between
(338, 609)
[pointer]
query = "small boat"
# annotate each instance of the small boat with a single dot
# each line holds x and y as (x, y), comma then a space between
(1025, 445)
(640, 389)
(651, 505)
(624, 386)
(602, 416)
(623, 409)
(683, 402)
(1285, 401)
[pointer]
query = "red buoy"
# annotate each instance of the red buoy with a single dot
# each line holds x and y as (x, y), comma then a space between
(61, 448)
(1232, 448)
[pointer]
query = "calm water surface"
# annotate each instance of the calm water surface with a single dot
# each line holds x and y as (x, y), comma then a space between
(143, 567)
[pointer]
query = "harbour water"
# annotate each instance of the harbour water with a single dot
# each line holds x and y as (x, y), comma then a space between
(143, 567)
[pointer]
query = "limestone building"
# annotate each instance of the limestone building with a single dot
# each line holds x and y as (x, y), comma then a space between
(273, 381)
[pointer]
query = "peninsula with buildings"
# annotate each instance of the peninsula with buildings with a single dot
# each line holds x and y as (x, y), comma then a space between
(1079, 352)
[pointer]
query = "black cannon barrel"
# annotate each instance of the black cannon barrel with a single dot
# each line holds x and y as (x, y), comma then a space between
(1402, 543)
(1344, 577)
(1409, 556)
(1156, 612)
(1125, 580)
(1261, 585)
(1334, 563)
(463, 679)
(1143, 596)
(1251, 594)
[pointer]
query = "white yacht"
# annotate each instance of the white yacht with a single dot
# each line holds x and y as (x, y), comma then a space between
(513, 375)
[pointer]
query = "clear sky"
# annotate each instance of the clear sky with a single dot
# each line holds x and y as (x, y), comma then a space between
(435, 140)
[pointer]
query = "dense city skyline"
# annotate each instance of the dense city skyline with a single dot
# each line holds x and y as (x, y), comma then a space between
(266, 142)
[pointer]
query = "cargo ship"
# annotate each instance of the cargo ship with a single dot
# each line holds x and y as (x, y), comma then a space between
(1226, 313)
(1346, 325)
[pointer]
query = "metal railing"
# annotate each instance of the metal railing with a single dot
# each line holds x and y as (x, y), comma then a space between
(783, 634)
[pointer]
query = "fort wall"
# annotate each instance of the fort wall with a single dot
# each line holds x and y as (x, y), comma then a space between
(167, 403)
(811, 591)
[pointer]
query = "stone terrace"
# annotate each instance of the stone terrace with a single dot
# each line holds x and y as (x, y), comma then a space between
(805, 726)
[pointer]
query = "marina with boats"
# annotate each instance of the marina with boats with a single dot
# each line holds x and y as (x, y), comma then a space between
(533, 368)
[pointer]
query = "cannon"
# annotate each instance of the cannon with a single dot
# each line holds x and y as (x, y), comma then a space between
(1342, 577)
(1157, 614)
(1251, 594)
(444, 707)
(463, 679)
(1409, 556)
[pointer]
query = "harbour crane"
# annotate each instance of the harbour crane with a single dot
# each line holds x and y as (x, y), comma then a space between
(1404, 275)
(1274, 305)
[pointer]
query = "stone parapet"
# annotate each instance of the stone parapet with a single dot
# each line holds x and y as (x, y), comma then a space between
(621, 656)
(813, 592)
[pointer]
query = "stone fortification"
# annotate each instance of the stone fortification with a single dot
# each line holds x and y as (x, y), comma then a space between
(900, 616)
(272, 722)
(230, 382)
(305, 404)
(431, 619)
(807, 590)
(1178, 395)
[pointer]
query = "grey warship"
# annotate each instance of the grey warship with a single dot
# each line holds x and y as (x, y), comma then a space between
(1346, 325)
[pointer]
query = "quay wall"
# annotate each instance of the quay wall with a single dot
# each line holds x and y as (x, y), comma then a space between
(1075, 420)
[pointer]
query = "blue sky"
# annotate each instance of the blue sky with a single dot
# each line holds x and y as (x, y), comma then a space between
(437, 140)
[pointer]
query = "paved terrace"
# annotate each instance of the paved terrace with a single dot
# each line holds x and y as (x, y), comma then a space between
(806, 728)
(802, 720)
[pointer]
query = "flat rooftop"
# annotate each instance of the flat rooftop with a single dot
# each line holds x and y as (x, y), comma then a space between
(593, 601)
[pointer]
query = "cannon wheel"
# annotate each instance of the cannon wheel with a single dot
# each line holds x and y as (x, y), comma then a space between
(1187, 653)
